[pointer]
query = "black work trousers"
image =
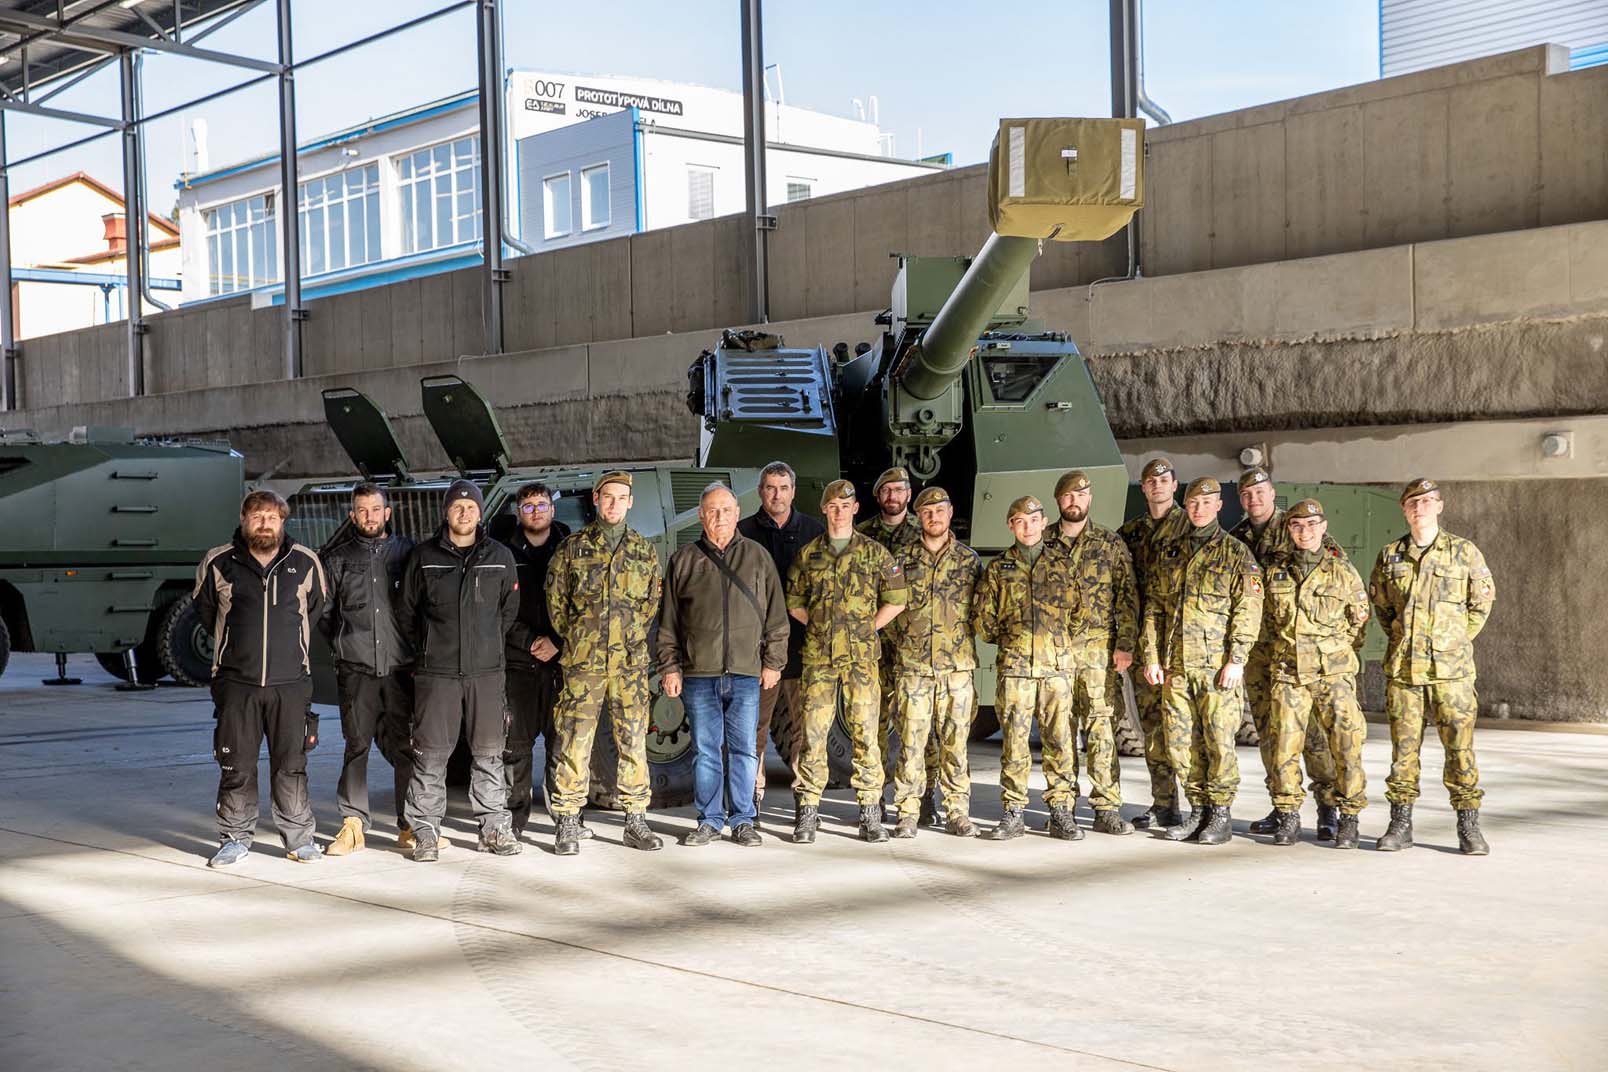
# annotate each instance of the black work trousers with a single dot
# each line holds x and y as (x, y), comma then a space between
(442, 707)
(531, 696)
(374, 708)
(245, 715)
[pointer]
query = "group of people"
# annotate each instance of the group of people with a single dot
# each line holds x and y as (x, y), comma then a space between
(777, 619)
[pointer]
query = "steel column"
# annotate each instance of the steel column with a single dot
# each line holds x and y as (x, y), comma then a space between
(289, 198)
(488, 43)
(8, 323)
(754, 154)
(1125, 95)
(134, 224)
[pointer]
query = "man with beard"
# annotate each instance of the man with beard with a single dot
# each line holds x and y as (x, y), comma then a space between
(260, 595)
(459, 599)
(373, 663)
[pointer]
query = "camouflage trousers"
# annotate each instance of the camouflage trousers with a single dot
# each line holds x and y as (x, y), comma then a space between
(1201, 721)
(581, 703)
(1019, 701)
(934, 708)
(1092, 692)
(1453, 705)
(1163, 777)
(1320, 764)
(856, 686)
(890, 735)
(1327, 706)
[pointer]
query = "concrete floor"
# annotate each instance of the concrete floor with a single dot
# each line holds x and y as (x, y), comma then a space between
(122, 951)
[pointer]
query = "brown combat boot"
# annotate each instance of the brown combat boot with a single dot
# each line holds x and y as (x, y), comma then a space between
(350, 838)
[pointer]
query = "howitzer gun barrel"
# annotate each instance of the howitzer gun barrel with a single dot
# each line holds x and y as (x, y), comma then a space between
(946, 346)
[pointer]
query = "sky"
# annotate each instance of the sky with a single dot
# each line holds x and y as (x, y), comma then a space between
(943, 72)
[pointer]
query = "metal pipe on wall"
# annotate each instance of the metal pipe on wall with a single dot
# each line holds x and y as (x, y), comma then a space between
(488, 50)
(289, 199)
(145, 196)
(8, 323)
(753, 45)
(134, 221)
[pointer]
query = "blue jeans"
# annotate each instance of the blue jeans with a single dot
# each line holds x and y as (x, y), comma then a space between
(724, 712)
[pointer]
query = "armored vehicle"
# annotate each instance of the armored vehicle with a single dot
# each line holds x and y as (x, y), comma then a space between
(99, 547)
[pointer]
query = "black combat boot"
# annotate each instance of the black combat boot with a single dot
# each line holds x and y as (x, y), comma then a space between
(1158, 817)
(1399, 834)
(806, 820)
(960, 825)
(1110, 821)
(1063, 824)
(1328, 821)
(1287, 829)
(1265, 825)
(1345, 835)
(500, 841)
(1470, 842)
(425, 848)
(638, 835)
(1010, 825)
(1187, 829)
(1219, 825)
(871, 824)
(932, 812)
(567, 837)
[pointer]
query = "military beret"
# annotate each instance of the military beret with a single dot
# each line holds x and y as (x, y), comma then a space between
(931, 497)
(1155, 467)
(1305, 508)
(1027, 504)
(617, 476)
(1422, 486)
(1254, 476)
(1203, 486)
(1076, 480)
(838, 489)
(890, 476)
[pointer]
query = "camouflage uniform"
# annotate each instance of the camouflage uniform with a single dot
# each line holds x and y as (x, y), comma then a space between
(1314, 626)
(1144, 536)
(1030, 611)
(1203, 611)
(1108, 623)
(1431, 603)
(842, 593)
(902, 540)
(935, 658)
(602, 603)
(1274, 543)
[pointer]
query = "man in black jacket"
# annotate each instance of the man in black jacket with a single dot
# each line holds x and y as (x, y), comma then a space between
(459, 596)
(372, 662)
(782, 531)
(260, 594)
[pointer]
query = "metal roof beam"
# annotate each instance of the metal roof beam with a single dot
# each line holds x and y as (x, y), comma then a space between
(13, 105)
(97, 39)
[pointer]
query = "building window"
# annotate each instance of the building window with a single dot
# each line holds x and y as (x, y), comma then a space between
(595, 197)
(799, 189)
(241, 247)
(440, 188)
(340, 220)
(701, 193)
(556, 205)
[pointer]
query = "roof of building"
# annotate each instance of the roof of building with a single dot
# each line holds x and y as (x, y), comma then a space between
(86, 179)
(105, 255)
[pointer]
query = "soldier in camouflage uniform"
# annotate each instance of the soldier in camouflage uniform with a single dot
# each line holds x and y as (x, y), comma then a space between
(1432, 593)
(1263, 530)
(844, 587)
(1314, 618)
(1203, 615)
(1107, 636)
(602, 593)
(936, 658)
(1162, 520)
(1027, 603)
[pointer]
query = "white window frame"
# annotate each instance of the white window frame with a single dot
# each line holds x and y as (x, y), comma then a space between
(706, 171)
(370, 196)
(463, 178)
(265, 230)
(587, 201)
(549, 228)
(798, 180)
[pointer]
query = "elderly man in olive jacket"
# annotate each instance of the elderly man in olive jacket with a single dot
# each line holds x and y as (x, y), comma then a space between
(722, 638)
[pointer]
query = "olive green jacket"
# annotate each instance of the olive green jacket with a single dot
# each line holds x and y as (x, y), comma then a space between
(1431, 608)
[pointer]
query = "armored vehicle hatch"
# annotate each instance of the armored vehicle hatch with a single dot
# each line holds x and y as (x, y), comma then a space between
(465, 424)
(365, 434)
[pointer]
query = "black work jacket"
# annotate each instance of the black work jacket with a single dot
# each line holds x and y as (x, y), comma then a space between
(359, 620)
(533, 622)
(456, 605)
(784, 542)
(261, 617)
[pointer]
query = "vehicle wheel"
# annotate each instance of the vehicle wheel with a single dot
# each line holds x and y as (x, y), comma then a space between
(787, 731)
(1130, 737)
(985, 724)
(1247, 732)
(184, 644)
(671, 756)
(5, 647)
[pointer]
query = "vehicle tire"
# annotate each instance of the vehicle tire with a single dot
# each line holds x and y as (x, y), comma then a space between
(788, 732)
(671, 757)
(5, 646)
(1247, 731)
(1130, 737)
(184, 644)
(985, 724)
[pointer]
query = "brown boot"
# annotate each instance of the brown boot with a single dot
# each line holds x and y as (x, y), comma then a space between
(350, 838)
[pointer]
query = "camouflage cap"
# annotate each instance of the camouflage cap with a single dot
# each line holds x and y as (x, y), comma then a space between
(1155, 467)
(1204, 485)
(1253, 476)
(1027, 504)
(890, 476)
(617, 476)
(1076, 480)
(931, 497)
(838, 489)
(1422, 486)
(1305, 508)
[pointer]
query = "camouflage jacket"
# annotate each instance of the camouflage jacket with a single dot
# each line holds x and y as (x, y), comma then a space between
(1204, 607)
(602, 602)
(1144, 536)
(842, 594)
(1274, 541)
(1029, 611)
(933, 634)
(1431, 609)
(1315, 626)
(901, 539)
(1109, 621)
